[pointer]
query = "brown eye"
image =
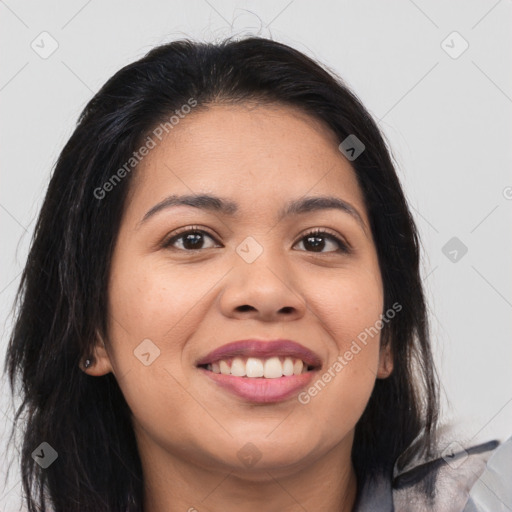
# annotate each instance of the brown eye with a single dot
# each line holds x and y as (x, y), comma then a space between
(190, 240)
(318, 240)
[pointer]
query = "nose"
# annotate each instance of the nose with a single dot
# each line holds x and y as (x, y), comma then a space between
(264, 290)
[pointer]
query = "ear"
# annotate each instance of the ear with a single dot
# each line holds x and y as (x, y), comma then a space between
(385, 361)
(101, 364)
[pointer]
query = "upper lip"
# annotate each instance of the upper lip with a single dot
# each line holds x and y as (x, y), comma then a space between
(260, 348)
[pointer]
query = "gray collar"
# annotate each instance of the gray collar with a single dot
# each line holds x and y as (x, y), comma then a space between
(450, 478)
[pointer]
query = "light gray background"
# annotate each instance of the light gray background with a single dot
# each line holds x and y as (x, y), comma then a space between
(448, 121)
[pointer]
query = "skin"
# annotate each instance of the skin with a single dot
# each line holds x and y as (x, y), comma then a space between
(188, 429)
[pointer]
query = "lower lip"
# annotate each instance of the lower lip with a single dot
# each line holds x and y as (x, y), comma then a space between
(261, 390)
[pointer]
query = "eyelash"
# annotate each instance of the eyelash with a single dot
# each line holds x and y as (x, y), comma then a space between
(318, 232)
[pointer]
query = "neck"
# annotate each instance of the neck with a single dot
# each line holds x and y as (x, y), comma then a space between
(175, 484)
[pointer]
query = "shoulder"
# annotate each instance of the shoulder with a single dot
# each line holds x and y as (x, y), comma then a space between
(492, 491)
(455, 481)
(442, 484)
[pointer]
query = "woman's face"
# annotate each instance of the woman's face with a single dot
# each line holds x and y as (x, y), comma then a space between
(249, 271)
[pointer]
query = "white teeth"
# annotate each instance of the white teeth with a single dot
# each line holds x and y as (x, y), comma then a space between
(272, 369)
(254, 367)
(297, 367)
(288, 366)
(238, 367)
(224, 368)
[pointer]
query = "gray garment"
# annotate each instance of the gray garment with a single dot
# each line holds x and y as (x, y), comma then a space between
(457, 480)
(493, 490)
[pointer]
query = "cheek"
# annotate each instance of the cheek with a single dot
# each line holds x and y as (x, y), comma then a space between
(155, 311)
(349, 306)
(154, 301)
(143, 309)
(349, 310)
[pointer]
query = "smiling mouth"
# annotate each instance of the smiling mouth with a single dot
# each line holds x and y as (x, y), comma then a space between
(273, 367)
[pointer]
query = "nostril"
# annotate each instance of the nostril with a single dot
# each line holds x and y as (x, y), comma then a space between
(245, 308)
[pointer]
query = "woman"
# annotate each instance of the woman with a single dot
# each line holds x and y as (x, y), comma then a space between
(222, 307)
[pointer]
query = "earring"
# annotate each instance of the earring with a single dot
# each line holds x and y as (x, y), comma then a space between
(88, 362)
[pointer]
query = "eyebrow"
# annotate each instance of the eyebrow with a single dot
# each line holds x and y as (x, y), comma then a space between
(229, 208)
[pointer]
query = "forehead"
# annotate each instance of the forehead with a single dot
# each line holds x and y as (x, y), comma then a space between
(258, 155)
